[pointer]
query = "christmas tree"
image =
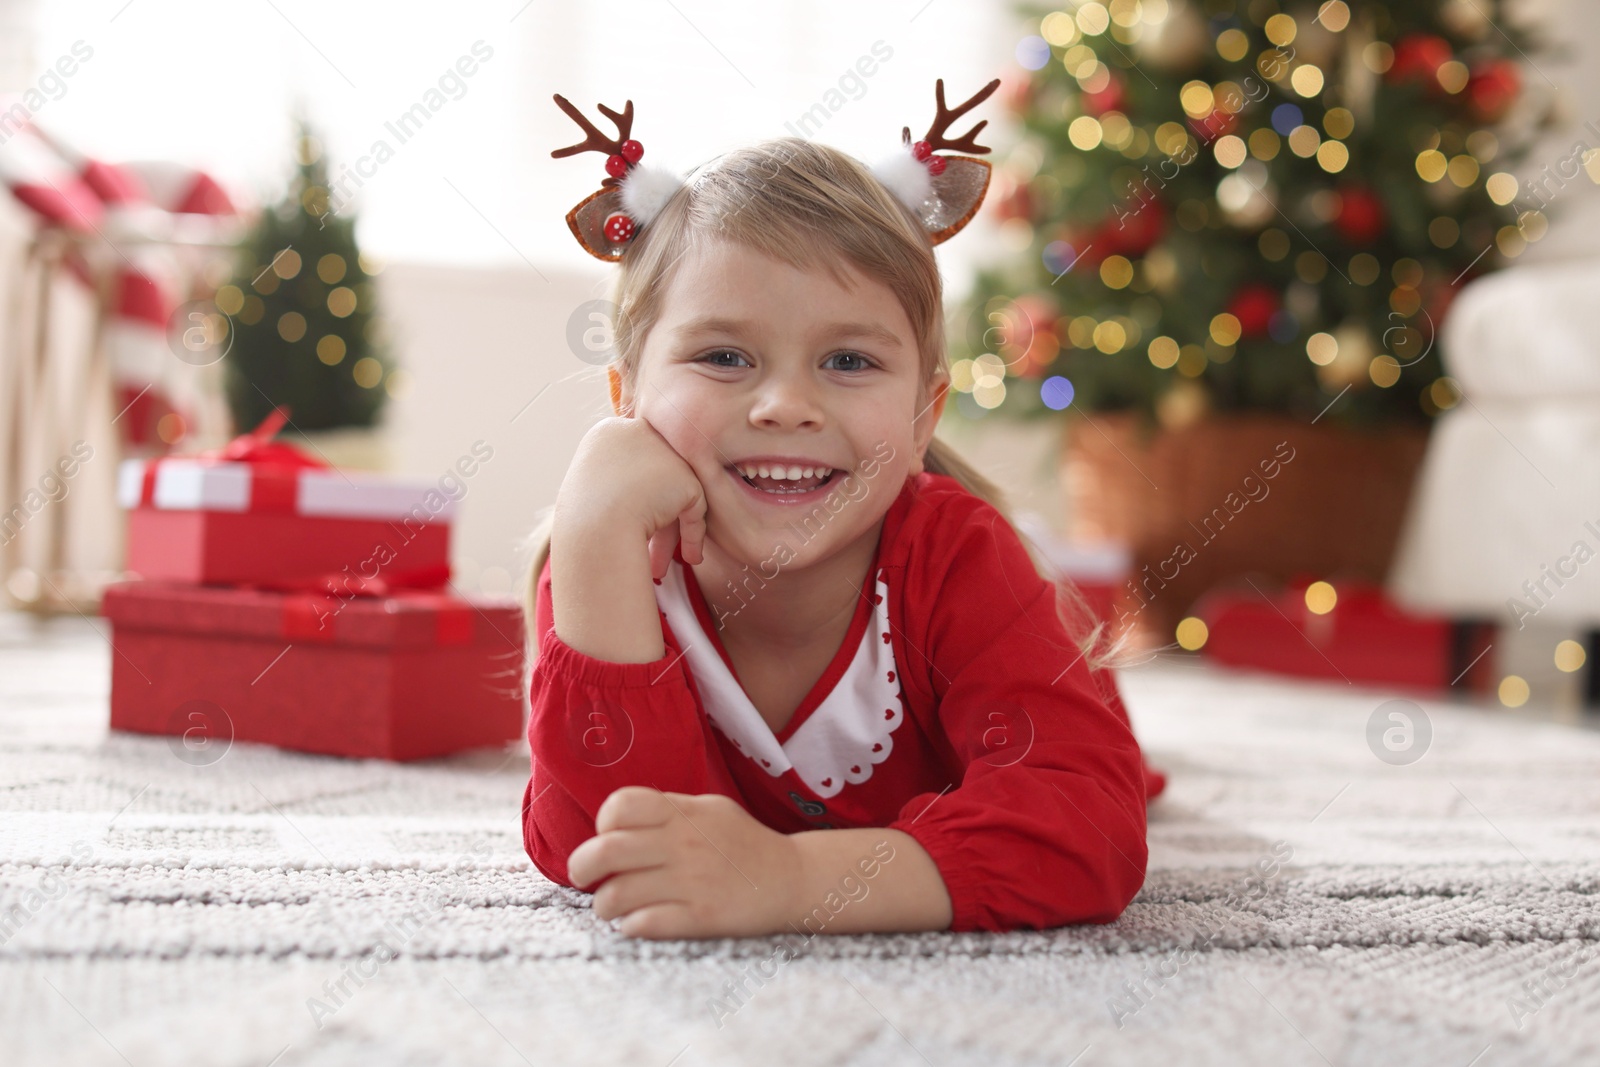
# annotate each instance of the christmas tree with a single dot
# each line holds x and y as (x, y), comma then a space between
(1250, 206)
(303, 308)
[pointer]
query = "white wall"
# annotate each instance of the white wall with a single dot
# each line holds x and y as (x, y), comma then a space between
(480, 344)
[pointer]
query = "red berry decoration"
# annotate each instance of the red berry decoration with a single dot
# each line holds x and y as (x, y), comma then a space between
(936, 165)
(1131, 230)
(632, 151)
(1111, 98)
(1254, 305)
(1492, 89)
(616, 166)
(619, 228)
(1361, 216)
(1418, 56)
(921, 151)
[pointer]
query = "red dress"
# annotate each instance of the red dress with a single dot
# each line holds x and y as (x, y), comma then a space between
(958, 709)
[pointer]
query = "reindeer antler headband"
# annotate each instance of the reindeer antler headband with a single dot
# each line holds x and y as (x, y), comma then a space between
(944, 192)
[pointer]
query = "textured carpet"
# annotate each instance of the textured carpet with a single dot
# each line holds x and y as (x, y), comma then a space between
(271, 908)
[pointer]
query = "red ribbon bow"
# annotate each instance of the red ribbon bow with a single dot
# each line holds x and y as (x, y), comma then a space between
(274, 483)
(258, 446)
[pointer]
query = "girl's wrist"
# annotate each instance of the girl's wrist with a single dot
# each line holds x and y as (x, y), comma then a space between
(867, 880)
(585, 520)
(602, 595)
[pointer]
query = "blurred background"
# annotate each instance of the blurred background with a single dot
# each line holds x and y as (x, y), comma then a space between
(1276, 324)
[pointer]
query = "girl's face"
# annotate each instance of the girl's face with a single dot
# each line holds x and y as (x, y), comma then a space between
(754, 362)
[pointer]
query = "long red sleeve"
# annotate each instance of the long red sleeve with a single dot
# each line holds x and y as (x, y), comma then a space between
(596, 726)
(1046, 825)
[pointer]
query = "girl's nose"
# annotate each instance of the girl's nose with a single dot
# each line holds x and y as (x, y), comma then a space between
(785, 400)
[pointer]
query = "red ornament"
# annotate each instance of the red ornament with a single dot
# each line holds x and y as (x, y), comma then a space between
(1361, 217)
(1254, 305)
(619, 228)
(921, 151)
(1134, 226)
(936, 165)
(632, 151)
(1492, 89)
(1418, 56)
(616, 166)
(1111, 98)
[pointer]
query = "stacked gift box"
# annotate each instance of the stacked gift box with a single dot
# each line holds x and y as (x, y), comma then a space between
(303, 606)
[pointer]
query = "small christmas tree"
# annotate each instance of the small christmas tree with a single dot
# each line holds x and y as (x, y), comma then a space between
(303, 308)
(1248, 205)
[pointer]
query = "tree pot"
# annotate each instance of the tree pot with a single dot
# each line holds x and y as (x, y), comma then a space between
(1235, 496)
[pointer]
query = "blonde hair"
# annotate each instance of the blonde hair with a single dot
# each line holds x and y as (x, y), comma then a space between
(809, 206)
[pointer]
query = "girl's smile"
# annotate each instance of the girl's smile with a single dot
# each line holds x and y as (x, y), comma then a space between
(786, 486)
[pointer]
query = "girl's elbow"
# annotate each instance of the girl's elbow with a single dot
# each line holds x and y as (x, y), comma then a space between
(1120, 893)
(549, 842)
(547, 861)
(1108, 879)
(1122, 875)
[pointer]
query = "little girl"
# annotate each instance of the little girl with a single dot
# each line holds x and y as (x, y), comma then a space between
(793, 666)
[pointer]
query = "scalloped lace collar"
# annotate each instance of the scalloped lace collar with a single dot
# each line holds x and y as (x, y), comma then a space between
(845, 736)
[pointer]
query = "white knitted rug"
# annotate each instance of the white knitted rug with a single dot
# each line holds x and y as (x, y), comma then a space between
(272, 908)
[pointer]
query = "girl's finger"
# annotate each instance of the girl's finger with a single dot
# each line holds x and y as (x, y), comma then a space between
(662, 543)
(633, 890)
(614, 852)
(692, 527)
(669, 920)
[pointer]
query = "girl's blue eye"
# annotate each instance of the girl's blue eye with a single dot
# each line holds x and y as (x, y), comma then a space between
(711, 356)
(865, 364)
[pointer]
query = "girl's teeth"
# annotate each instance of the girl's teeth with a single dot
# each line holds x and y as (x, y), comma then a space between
(793, 474)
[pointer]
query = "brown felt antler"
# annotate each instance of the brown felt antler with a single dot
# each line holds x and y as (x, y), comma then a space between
(595, 141)
(948, 116)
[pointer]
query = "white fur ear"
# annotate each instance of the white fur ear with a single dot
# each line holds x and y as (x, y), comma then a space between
(646, 190)
(907, 178)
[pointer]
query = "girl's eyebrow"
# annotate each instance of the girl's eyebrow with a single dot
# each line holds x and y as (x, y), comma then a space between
(834, 332)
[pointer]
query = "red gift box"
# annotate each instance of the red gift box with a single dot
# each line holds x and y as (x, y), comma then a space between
(259, 512)
(400, 677)
(1365, 638)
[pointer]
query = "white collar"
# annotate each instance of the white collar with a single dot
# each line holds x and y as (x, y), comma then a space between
(844, 737)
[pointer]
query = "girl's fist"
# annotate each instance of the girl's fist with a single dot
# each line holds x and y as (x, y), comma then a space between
(625, 474)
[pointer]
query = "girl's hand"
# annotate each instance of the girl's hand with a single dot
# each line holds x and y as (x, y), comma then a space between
(676, 865)
(626, 472)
